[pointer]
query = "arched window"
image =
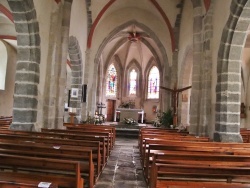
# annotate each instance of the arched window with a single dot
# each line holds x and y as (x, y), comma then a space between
(132, 82)
(153, 83)
(111, 84)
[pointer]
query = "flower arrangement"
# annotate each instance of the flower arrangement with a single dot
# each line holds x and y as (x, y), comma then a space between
(96, 119)
(182, 127)
(127, 104)
(164, 119)
(99, 119)
(129, 121)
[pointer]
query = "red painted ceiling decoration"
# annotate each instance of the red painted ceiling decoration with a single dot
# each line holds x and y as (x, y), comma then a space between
(207, 4)
(167, 22)
(57, 1)
(97, 20)
(69, 63)
(6, 12)
(158, 7)
(8, 37)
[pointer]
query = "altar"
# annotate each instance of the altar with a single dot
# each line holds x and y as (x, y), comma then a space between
(129, 113)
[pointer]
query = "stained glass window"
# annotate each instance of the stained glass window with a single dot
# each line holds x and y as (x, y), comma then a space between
(111, 84)
(132, 82)
(153, 83)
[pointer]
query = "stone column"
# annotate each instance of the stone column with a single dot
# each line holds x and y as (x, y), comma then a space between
(55, 81)
(76, 79)
(27, 69)
(85, 111)
(228, 88)
(61, 79)
(196, 76)
(206, 74)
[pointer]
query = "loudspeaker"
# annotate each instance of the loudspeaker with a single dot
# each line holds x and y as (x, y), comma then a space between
(84, 92)
(69, 96)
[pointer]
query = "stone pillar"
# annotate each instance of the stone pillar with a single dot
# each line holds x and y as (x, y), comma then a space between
(85, 110)
(228, 88)
(196, 76)
(61, 79)
(27, 69)
(76, 80)
(206, 74)
(55, 81)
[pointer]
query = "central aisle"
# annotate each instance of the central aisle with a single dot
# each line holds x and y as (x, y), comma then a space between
(123, 169)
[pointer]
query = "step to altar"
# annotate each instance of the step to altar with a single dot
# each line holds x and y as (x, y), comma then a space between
(127, 130)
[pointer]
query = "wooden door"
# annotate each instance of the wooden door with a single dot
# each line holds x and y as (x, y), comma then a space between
(110, 110)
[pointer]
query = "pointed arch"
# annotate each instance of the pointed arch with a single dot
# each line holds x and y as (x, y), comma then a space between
(153, 81)
(28, 65)
(111, 81)
(159, 44)
(228, 93)
(134, 64)
(76, 68)
(184, 81)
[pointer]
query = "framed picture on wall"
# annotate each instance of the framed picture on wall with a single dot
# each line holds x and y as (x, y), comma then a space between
(74, 93)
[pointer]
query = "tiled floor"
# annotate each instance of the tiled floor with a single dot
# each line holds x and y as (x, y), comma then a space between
(123, 169)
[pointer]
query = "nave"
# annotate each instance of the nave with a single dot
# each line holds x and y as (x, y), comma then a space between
(123, 169)
(87, 155)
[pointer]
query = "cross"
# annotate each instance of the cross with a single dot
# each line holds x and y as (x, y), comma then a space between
(175, 92)
(100, 106)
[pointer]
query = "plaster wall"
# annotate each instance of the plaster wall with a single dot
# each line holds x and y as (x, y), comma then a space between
(6, 96)
(44, 21)
(186, 34)
(169, 7)
(5, 4)
(122, 16)
(148, 109)
(3, 65)
(219, 21)
(78, 26)
(44, 29)
(245, 88)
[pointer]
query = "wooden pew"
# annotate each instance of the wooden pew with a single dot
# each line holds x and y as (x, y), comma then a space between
(196, 184)
(200, 159)
(83, 155)
(18, 184)
(204, 150)
(162, 148)
(169, 137)
(203, 173)
(93, 145)
(92, 127)
(5, 121)
(64, 173)
(102, 132)
(102, 139)
(158, 131)
(245, 133)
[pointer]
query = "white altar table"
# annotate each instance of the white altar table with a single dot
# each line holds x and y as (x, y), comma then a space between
(129, 113)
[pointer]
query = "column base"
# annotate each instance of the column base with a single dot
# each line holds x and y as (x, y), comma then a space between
(22, 127)
(227, 137)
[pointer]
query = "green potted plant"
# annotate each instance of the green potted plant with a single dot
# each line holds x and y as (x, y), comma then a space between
(166, 118)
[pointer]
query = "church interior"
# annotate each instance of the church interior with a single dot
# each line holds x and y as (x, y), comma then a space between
(175, 71)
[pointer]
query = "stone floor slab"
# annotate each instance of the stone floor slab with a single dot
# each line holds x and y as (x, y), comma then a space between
(123, 169)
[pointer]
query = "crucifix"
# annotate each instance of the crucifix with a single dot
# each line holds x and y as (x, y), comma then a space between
(175, 93)
(100, 106)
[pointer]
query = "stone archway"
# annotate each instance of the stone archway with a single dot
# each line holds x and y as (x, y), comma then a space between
(76, 79)
(185, 80)
(27, 71)
(228, 89)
